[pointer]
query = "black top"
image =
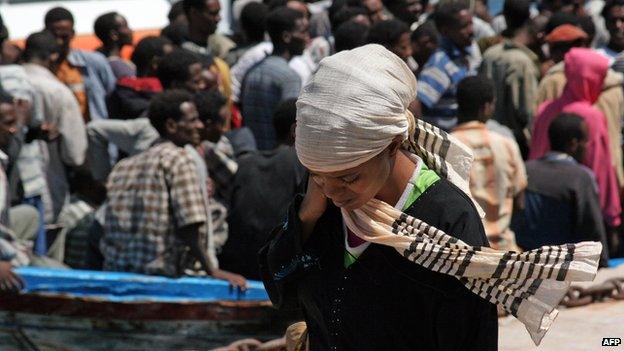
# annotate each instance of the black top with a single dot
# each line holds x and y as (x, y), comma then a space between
(561, 206)
(382, 301)
(261, 193)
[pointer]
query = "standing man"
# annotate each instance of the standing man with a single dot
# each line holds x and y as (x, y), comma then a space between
(514, 68)
(87, 74)
(272, 81)
(497, 176)
(66, 138)
(457, 57)
(562, 202)
(613, 14)
(113, 31)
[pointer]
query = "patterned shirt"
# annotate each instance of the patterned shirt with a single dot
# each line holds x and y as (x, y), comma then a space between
(267, 84)
(496, 177)
(150, 196)
(437, 83)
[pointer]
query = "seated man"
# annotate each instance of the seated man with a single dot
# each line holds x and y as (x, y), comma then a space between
(497, 177)
(155, 210)
(561, 198)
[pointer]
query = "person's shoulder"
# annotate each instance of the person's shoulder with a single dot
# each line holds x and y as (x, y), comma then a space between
(438, 59)
(445, 199)
(493, 52)
(448, 208)
(91, 56)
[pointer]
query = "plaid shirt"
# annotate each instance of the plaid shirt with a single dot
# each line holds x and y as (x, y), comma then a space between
(268, 83)
(150, 195)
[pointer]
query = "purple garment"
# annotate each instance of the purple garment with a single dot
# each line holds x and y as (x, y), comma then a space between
(121, 68)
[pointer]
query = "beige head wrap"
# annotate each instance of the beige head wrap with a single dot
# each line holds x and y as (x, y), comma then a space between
(356, 104)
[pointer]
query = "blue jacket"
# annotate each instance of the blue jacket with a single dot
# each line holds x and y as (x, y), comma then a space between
(98, 77)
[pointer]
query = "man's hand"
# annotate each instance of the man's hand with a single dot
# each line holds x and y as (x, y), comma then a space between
(241, 345)
(236, 280)
(9, 281)
(49, 131)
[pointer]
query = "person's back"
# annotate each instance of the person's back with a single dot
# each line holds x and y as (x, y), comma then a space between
(561, 198)
(263, 189)
(264, 87)
(585, 71)
(497, 175)
(610, 102)
(272, 81)
(514, 69)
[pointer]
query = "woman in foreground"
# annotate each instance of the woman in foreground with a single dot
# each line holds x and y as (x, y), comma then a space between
(386, 250)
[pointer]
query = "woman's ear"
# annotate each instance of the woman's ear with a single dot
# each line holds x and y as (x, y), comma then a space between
(394, 147)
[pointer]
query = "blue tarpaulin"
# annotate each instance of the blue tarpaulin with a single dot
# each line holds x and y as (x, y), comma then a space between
(130, 287)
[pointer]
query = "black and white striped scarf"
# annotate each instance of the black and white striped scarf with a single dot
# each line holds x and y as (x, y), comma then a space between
(528, 285)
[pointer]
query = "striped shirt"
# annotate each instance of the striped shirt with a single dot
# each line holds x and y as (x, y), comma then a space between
(496, 177)
(437, 83)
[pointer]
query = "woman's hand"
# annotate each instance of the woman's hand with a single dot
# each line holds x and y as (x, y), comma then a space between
(312, 208)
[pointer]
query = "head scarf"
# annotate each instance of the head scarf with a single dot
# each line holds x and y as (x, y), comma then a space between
(355, 105)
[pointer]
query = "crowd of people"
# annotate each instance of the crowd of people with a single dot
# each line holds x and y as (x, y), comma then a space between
(180, 160)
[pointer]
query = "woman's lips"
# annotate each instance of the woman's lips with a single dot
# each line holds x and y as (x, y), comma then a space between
(342, 203)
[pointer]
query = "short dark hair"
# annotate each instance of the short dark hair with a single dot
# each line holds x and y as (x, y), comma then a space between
(40, 45)
(387, 33)
(104, 25)
(57, 14)
(176, 10)
(472, 94)
(608, 6)
(209, 103)
(188, 5)
(561, 18)
(174, 67)
(282, 19)
(350, 35)
(587, 25)
(145, 51)
(176, 32)
(445, 15)
(563, 129)
(517, 14)
(284, 117)
(346, 14)
(253, 20)
(167, 105)
(426, 29)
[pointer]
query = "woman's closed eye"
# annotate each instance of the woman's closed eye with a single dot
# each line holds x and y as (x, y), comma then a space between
(350, 179)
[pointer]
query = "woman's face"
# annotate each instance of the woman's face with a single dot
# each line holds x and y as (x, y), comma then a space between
(352, 188)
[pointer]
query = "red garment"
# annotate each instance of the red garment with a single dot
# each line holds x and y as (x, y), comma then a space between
(585, 71)
(150, 84)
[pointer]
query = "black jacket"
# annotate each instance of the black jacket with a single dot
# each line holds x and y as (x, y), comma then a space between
(383, 301)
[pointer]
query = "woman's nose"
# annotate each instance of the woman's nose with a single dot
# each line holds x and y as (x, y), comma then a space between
(332, 188)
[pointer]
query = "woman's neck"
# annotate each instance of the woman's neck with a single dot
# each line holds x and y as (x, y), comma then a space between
(400, 175)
